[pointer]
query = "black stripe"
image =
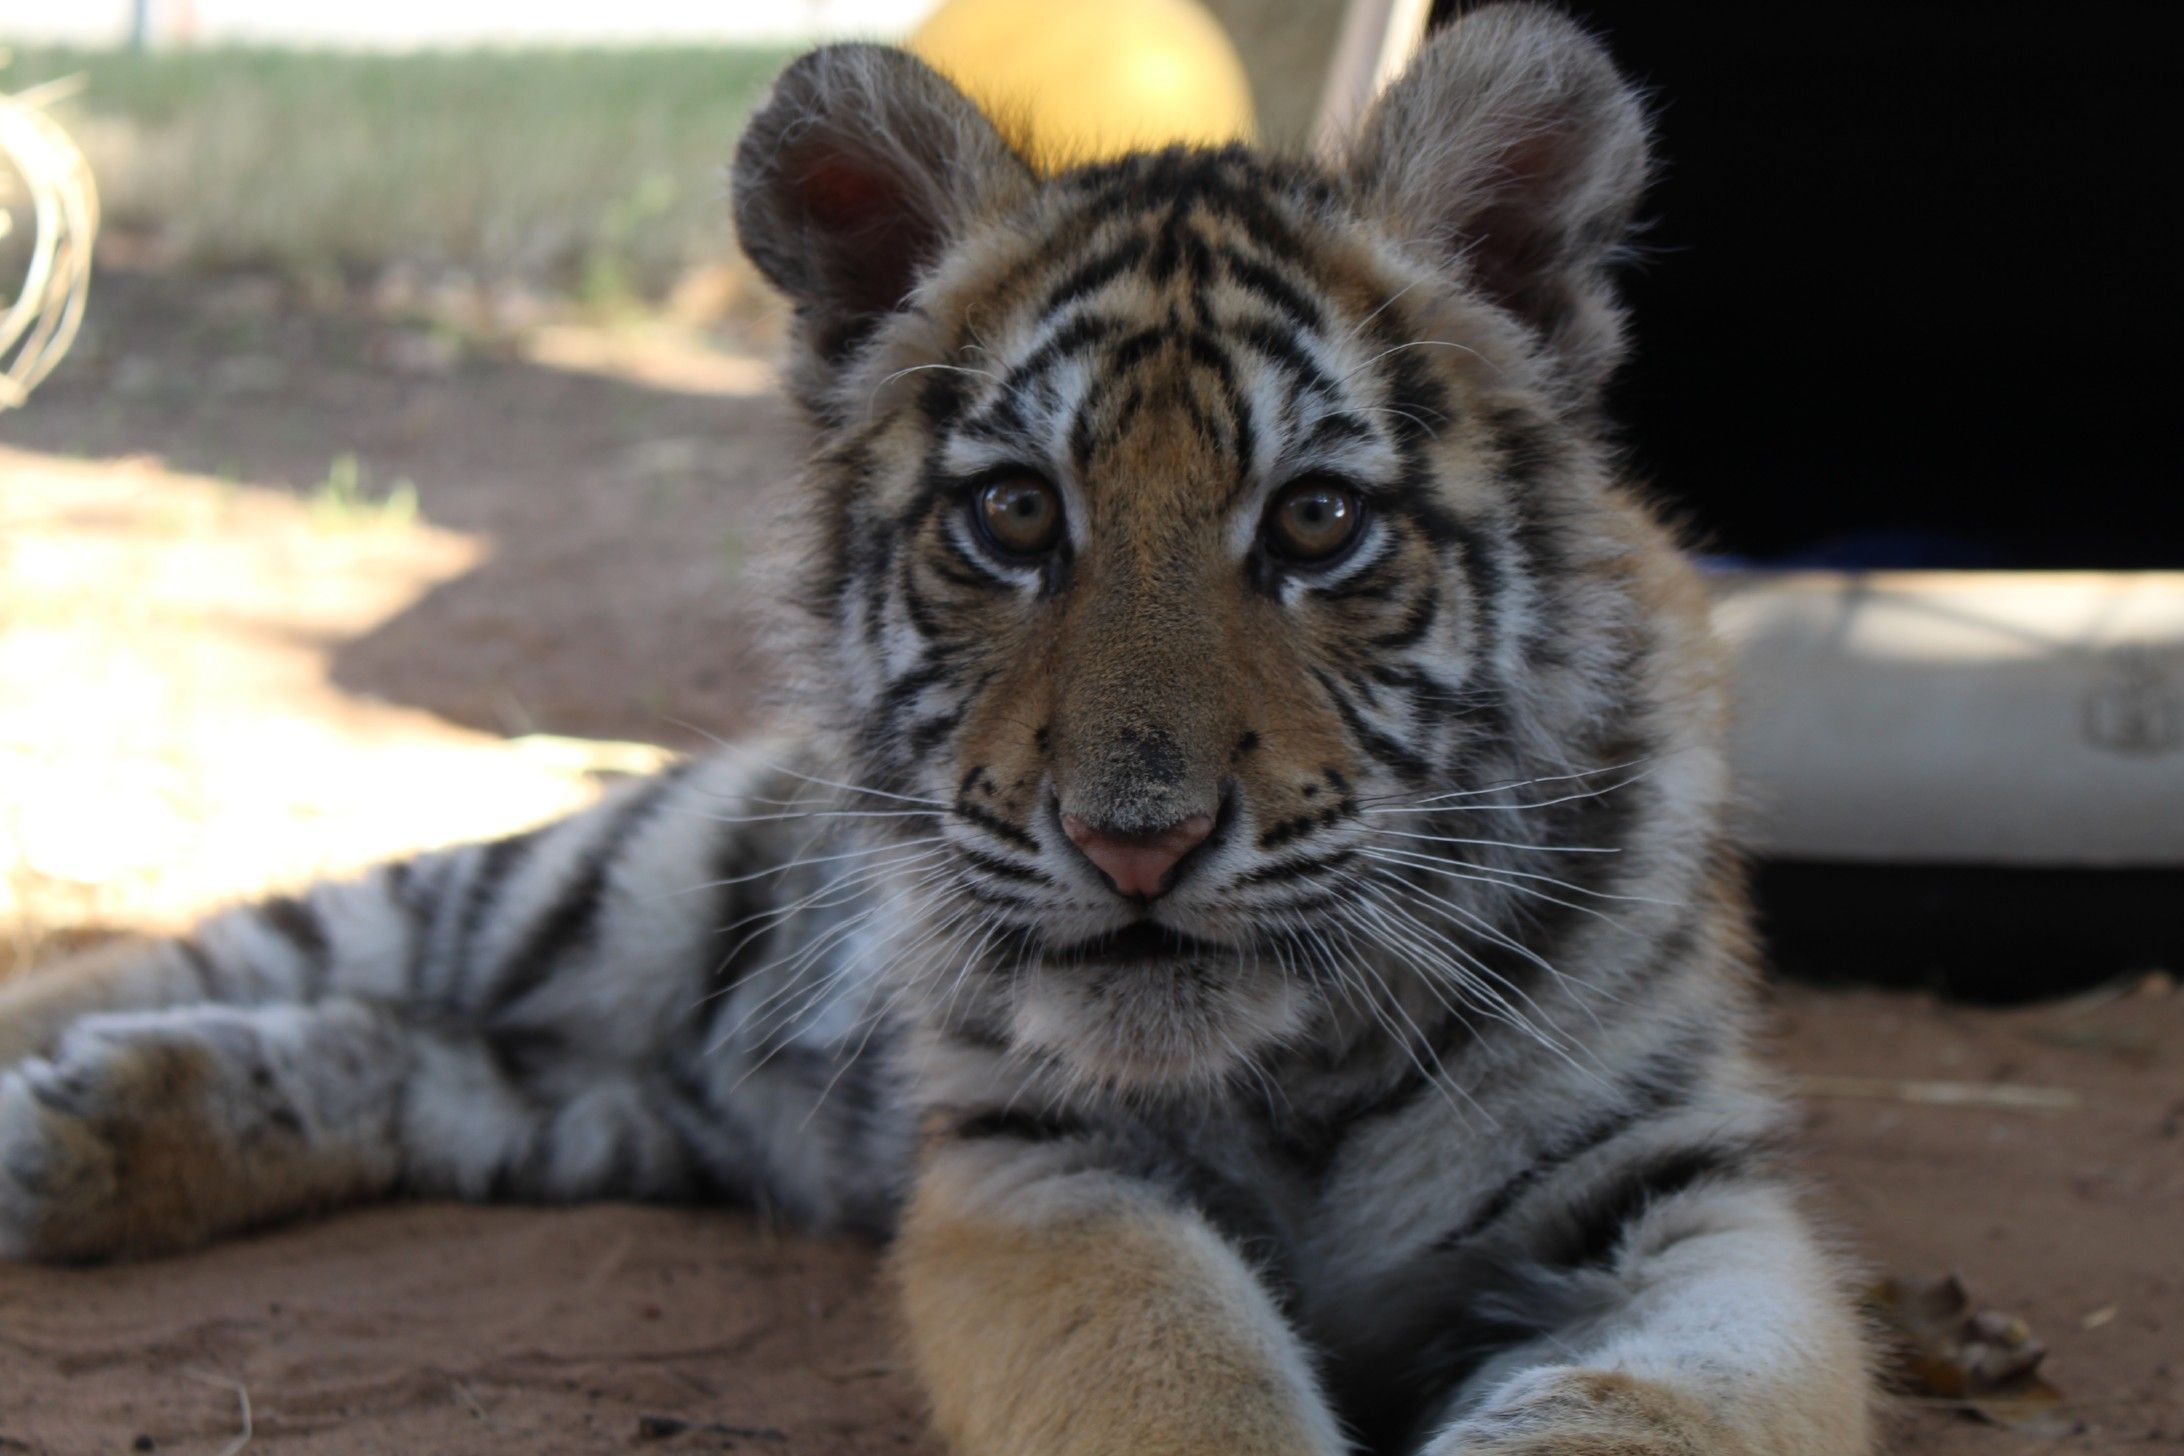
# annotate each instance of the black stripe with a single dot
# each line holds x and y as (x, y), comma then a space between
(972, 890)
(1418, 620)
(999, 828)
(977, 1036)
(1133, 349)
(1002, 868)
(1297, 869)
(941, 397)
(1071, 339)
(1416, 395)
(881, 734)
(904, 690)
(732, 866)
(1607, 817)
(1281, 347)
(1602, 1219)
(1391, 753)
(495, 861)
(924, 736)
(1664, 1083)
(670, 1111)
(1083, 437)
(1375, 581)
(570, 921)
(1019, 1124)
(199, 965)
(1332, 426)
(922, 619)
(411, 895)
(1270, 287)
(299, 924)
(1447, 1318)
(1526, 443)
(1094, 274)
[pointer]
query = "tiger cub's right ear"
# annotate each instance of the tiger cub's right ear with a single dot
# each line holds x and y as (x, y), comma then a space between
(858, 169)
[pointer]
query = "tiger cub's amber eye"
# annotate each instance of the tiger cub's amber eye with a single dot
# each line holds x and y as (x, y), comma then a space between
(1314, 519)
(1021, 515)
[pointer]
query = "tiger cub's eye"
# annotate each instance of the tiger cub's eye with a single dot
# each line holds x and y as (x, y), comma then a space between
(1313, 519)
(1021, 515)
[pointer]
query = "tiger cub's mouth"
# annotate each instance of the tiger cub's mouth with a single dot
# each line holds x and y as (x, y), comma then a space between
(1138, 942)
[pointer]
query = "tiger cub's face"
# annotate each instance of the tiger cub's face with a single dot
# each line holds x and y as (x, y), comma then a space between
(1176, 516)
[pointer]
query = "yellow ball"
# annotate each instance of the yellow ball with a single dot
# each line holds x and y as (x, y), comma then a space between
(1079, 80)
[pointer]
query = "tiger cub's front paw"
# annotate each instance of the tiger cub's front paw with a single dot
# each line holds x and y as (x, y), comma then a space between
(1570, 1412)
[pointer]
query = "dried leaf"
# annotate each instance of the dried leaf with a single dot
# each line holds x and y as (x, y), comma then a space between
(1981, 1360)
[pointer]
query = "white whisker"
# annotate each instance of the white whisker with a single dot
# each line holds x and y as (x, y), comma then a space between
(797, 864)
(1499, 843)
(1417, 344)
(1512, 784)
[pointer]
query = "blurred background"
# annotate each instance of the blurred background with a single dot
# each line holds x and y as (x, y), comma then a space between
(402, 482)
(426, 407)
(448, 288)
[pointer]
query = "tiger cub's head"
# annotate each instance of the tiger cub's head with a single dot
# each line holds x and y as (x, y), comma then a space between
(1209, 541)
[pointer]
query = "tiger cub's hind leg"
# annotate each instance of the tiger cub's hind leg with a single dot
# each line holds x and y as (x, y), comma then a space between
(154, 1130)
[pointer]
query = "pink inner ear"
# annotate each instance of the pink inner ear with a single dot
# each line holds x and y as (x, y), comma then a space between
(841, 196)
(867, 240)
(1531, 169)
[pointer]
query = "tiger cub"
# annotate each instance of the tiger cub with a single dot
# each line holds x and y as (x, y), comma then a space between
(1246, 907)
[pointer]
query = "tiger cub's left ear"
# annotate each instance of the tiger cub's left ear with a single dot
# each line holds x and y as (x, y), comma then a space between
(857, 170)
(1515, 149)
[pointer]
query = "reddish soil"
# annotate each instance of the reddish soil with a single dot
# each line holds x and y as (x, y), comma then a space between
(450, 1329)
(578, 572)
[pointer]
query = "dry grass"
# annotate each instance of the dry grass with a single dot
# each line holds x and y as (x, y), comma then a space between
(594, 172)
(598, 172)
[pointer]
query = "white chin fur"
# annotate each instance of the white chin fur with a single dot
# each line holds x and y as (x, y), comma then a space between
(1158, 1026)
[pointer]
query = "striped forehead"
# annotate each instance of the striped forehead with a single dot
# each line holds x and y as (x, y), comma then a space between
(1198, 316)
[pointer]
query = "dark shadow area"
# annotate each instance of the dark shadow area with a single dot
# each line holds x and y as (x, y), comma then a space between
(1907, 298)
(1989, 934)
(618, 518)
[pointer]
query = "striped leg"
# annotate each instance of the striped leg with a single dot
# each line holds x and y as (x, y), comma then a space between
(1722, 1334)
(151, 1131)
(155, 1094)
(1058, 1308)
(118, 976)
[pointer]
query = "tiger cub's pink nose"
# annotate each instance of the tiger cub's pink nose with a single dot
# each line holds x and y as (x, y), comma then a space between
(1138, 865)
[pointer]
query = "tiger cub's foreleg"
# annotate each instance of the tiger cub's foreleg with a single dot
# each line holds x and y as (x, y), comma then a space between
(119, 975)
(532, 1018)
(1060, 1308)
(155, 1093)
(1726, 1336)
(152, 1130)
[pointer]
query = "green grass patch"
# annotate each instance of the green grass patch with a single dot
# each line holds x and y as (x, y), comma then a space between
(599, 171)
(346, 500)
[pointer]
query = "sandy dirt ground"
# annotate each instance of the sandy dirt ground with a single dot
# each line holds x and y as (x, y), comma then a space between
(228, 661)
